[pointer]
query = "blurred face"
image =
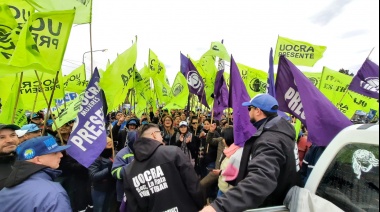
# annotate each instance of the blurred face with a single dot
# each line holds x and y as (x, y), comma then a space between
(156, 134)
(32, 134)
(118, 115)
(168, 122)
(194, 123)
(183, 129)
(37, 121)
(206, 125)
(254, 113)
(51, 160)
(127, 118)
(132, 127)
(8, 141)
(183, 117)
(65, 129)
(109, 143)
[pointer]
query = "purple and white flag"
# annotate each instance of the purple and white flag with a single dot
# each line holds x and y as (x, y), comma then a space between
(88, 138)
(366, 81)
(299, 97)
(220, 92)
(243, 128)
(194, 80)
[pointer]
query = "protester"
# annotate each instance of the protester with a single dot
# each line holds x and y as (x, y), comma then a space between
(28, 131)
(38, 119)
(168, 130)
(195, 128)
(161, 178)
(268, 167)
(103, 185)
(30, 185)
(209, 149)
(121, 136)
(8, 144)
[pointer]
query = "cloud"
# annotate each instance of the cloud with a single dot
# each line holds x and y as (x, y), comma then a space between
(330, 12)
(354, 33)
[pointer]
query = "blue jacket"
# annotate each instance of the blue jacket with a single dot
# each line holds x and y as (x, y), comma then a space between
(30, 187)
(122, 159)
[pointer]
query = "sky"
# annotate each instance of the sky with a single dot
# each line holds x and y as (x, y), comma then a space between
(349, 29)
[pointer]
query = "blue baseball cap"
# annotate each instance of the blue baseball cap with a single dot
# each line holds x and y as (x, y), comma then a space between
(30, 128)
(265, 102)
(38, 146)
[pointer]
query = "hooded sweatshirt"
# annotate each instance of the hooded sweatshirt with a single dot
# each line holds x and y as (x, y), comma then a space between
(161, 178)
(6, 162)
(30, 187)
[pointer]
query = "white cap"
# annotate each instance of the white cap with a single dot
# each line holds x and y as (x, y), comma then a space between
(183, 123)
(21, 133)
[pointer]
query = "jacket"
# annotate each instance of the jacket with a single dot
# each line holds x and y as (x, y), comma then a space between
(30, 187)
(100, 173)
(161, 178)
(268, 169)
(6, 162)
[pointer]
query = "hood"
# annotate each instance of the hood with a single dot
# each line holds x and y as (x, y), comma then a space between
(277, 124)
(22, 170)
(7, 158)
(144, 148)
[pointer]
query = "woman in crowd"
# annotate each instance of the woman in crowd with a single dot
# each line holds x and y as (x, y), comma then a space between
(168, 129)
(208, 150)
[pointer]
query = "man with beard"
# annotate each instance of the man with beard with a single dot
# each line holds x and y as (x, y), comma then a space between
(269, 167)
(8, 144)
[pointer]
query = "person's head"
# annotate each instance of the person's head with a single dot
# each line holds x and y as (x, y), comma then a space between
(37, 118)
(151, 131)
(8, 138)
(202, 118)
(183, 117)
(167, 121)
(132, 124)
(261, 106)
(28, 131)
(228, 136)
(42, 150)
(144, 121)
(66, 128)
(183, 127)
(109, 143)
(206, 124)
(194, 122)
(127, 117)
(176, 114)
(165, 112)
(118, 115)
(192, 113)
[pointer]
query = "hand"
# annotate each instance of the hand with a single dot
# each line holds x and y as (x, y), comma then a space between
(212, 127)
(181, 138)
(151, 109)
(216, 172)
(121, 120)
(203, 134)
(188, 139)
(208, 209)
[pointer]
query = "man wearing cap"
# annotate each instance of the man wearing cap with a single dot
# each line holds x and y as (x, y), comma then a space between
(269, 167)
(30, 185)
(27, 132)
(160, 178)
(38, 119)
(121, 136)
(8, 144)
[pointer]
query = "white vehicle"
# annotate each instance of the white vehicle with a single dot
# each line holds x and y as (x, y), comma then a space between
(347, 173)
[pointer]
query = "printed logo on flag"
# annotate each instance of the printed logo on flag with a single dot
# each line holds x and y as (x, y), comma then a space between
(370, 84)
(194, 81)
(178, 88)
(257, 86)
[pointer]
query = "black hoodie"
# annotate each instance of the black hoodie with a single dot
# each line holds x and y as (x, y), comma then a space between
(6, 163)
(161, 178)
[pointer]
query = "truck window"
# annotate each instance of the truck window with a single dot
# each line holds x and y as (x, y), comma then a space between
(351, 181)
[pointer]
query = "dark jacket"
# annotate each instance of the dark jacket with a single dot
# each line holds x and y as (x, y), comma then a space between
(120, 136)
(6, 162)
(100, 172)
(268, 169)
(30, 187)
(161, 178)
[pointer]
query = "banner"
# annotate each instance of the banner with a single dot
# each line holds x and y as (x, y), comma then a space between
(179, 93)
(194, 80)
(314, 77)
(118, 78)
(89, 137)
(42, 43)
(83, 8)
(20, 9)
(220, 93)
(366, 81)
(218, 49)
(254, 80)
(243, 128)
(334, 86)
(296, 95)
(207, 70)
(76, 80)
(64, 115)
(298, 52)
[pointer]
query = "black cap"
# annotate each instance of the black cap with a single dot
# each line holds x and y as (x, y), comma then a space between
(9, 126)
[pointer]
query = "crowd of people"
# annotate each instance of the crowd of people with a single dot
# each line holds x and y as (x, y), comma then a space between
(162, 161)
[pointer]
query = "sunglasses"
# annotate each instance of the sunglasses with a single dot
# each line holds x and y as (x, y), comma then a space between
(249, 108)
(194, 123)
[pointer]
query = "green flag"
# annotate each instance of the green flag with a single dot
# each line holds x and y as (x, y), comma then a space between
(207, 69)
(67, 114)
(334, 86)
(20, 9)
(118, 78)
(157, 72)
(6, 83)
(83, 8)
(254, 80)
(76, 80)
(218, 49)
(8, 108)
(314, 77)
(42, 42)
(298, 52)
(179, 93)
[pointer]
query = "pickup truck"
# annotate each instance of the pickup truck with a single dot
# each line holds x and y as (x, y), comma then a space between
(347, 173)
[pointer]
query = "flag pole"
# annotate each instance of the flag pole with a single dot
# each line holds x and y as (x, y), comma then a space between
(17, 97)
(92, 59)
(35, 102)
(49, 109)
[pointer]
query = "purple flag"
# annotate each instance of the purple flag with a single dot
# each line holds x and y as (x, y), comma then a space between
(88, 138)
(271, 88)
(220, 92)
(366, 81)
(243, 128)
(194, 80)
(298, 96)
